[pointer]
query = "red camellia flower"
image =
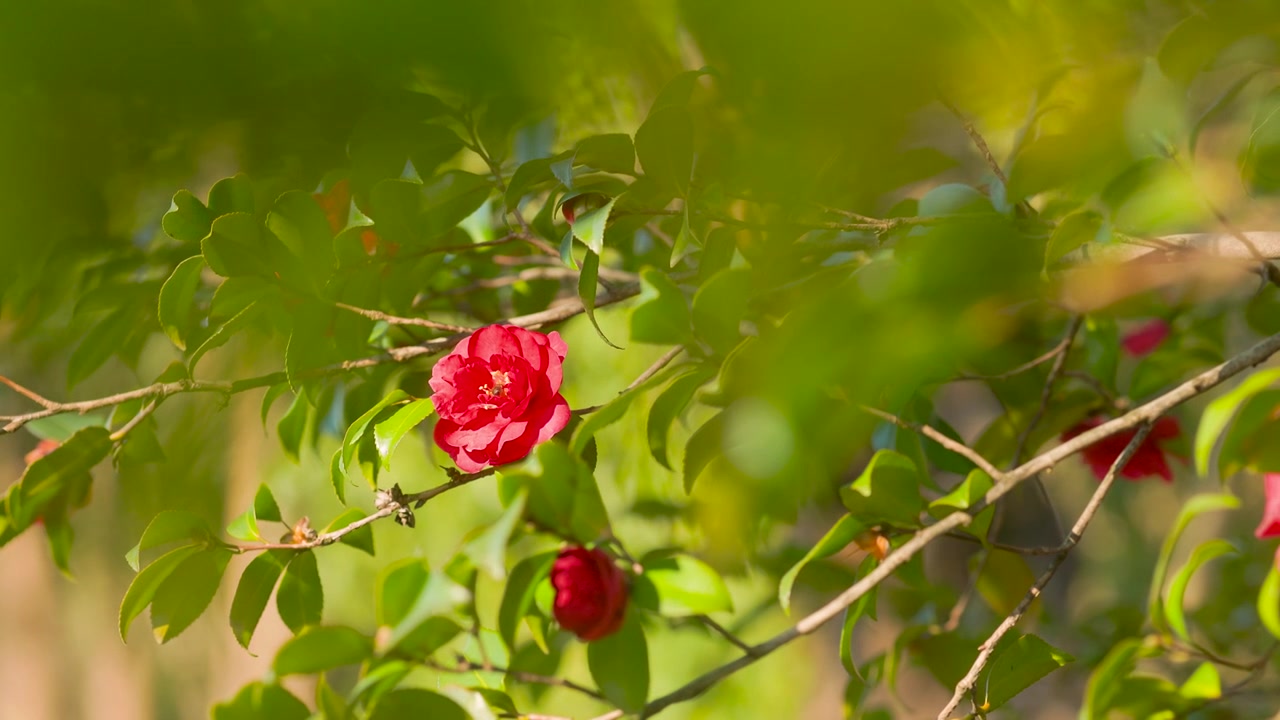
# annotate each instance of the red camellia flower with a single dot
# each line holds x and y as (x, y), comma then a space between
(1270, 525)
(591, 593)
(1148, 460)
(498, 395)
(1146, 337)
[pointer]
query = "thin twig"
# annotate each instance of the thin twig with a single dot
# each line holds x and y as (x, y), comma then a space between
(1047, 393)
(723, 632)
(642, 378)
(1053, 352)
(393, 320)
(134, 421)
(30, 394)
(976, 138)
(477, 146)
(946, 442)
(1086, 516)
(466, 666)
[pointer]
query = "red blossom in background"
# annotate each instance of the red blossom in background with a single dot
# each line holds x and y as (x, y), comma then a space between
(1270, 525)
(591, 593)
(1148, 460)
(42, 448)
(498, 395)
(336, 203)
(1145, 337)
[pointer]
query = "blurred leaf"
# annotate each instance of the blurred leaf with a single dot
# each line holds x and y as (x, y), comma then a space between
(1217, 107)
(664, 145)
(101, 342)
(678, 90)
(360, 538)
(61, 427)
(1072, 231)
(620, 665)
(300, 223)
(966, 495)
(615, 409)
(1269, 602)
(471, 701)
(1174, 613)
(1204, 683)
(388, 433)
(1004, 581)
(668, 406)
(679, 586)
(1260, 162)
(412, 605)
(612, 153)
(185, 594)
(953, 199)
(1194, 507)
(719, 307)
(328, 702)
(837, 538)
(293, 426)
(661, 315)
(258, 701)
(253, 591)
(237, 246)
(1218, 414)
(60, 479)
(887, 490)
(144, 587)
(188, 220)
(176, 300)
(1108, 676)
(704, 446)
(300, 599)
(318, 649)
(415, 703)
(1020, 665)
(685, 242)
(587, 279)
(517, 596)
(562, 493)
(168, 527)
(489, 550)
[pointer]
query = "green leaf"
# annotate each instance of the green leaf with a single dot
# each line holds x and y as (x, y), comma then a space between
(1194, 507)
(704, 446)
(258, 701)
(719, 307)
(293, 425)
(619, 665)
(1107, 679)
(1269, 602)
(562, 492)
(1020, 665)
(416, 703)
(587, 281)
(679, 586)
(1219, 413)
(668, 406)
(231, 195)
(177, 296)
(589, 227)
(678, 90)
(837, 538)
(966, 495)
(517, 596)
(412, 603)
(329, 703)
(661, 315)
(360, 538)
(1004, 580)
(318, 649)
(62, 427)
(1204, 684)
(612, 412)
(254, 590)
(168, 527)
(269, 398)
(226, 331)
(144, 587)
(664, 145)
(237, 246)
(685, 241)
(355, 433)
(613, 153)
(1074, 230)
(299, 222)
(245, 527)
(100, 343)
(472, 701)
(300, 599)
(527, 177)
(338, 476)
(1174, 613)
(388, 433)
(56, 481)
(887, 490)
(185, 594)
(188, 220)
(488, 551)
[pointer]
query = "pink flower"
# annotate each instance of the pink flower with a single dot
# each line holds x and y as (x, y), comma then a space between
(591, 593)
(1270, 525)
(498, 395)
(1146, 337)
(1148, 460)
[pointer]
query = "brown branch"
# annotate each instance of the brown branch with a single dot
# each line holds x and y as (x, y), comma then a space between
(29, 394)
(466, 666)
(946, 442)
(1144, 414)
(642, 378)
(393, 320)
(154, 391)
(551, 272)
(1086, 516)
(724, 633)
(134, 421)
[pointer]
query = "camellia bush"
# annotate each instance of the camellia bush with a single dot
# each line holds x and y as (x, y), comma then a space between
(939, 332)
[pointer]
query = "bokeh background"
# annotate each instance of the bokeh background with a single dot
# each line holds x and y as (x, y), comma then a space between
(107, 108)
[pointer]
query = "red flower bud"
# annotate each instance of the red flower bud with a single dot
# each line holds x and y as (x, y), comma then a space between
(591, 593)
(1146, 337)
(1147, 460)
(568, 209)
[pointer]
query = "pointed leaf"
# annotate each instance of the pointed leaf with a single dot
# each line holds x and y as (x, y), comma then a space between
(187, 592)
(254, 590)
(619, 665)
(300, 599)
(1174, 612)
(177, 296)
(144, 587)
(319, 649)
(388, 433)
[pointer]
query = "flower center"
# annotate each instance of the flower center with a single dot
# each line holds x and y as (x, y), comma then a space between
(499, 386)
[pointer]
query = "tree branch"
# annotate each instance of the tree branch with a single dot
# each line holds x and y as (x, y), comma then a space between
(946, 442)
(1086, 516)
(643, 377)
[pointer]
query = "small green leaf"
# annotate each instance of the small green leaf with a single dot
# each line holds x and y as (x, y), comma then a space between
(679, 586)
(328, 702)
(704, 446)
(517, 596)
(1174, 613)
(887, 490)
(587, 281)
(661, 315)
(837, 538)
(685, 241)
(664, 145)
(416, 703)
(1106, 681)
(236, 246)
(1269, 602)
(185, 594)
(293, 425)
(527, 177)
(144, 587)
(338, 476)
(300, 599)
(388, 433)
(1193, 508)
(966, 495)
(589, 227)
(168, 527)
(245, 527)
(356, 432)
(319, 649)
(669, 405)
(619, 665)
(361, 538)
(1204, 684)
(177, 296)
(1020, 665)
(258, 701)
(254, 590)
(1219, 413)
(188, 220)
(269, 398)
